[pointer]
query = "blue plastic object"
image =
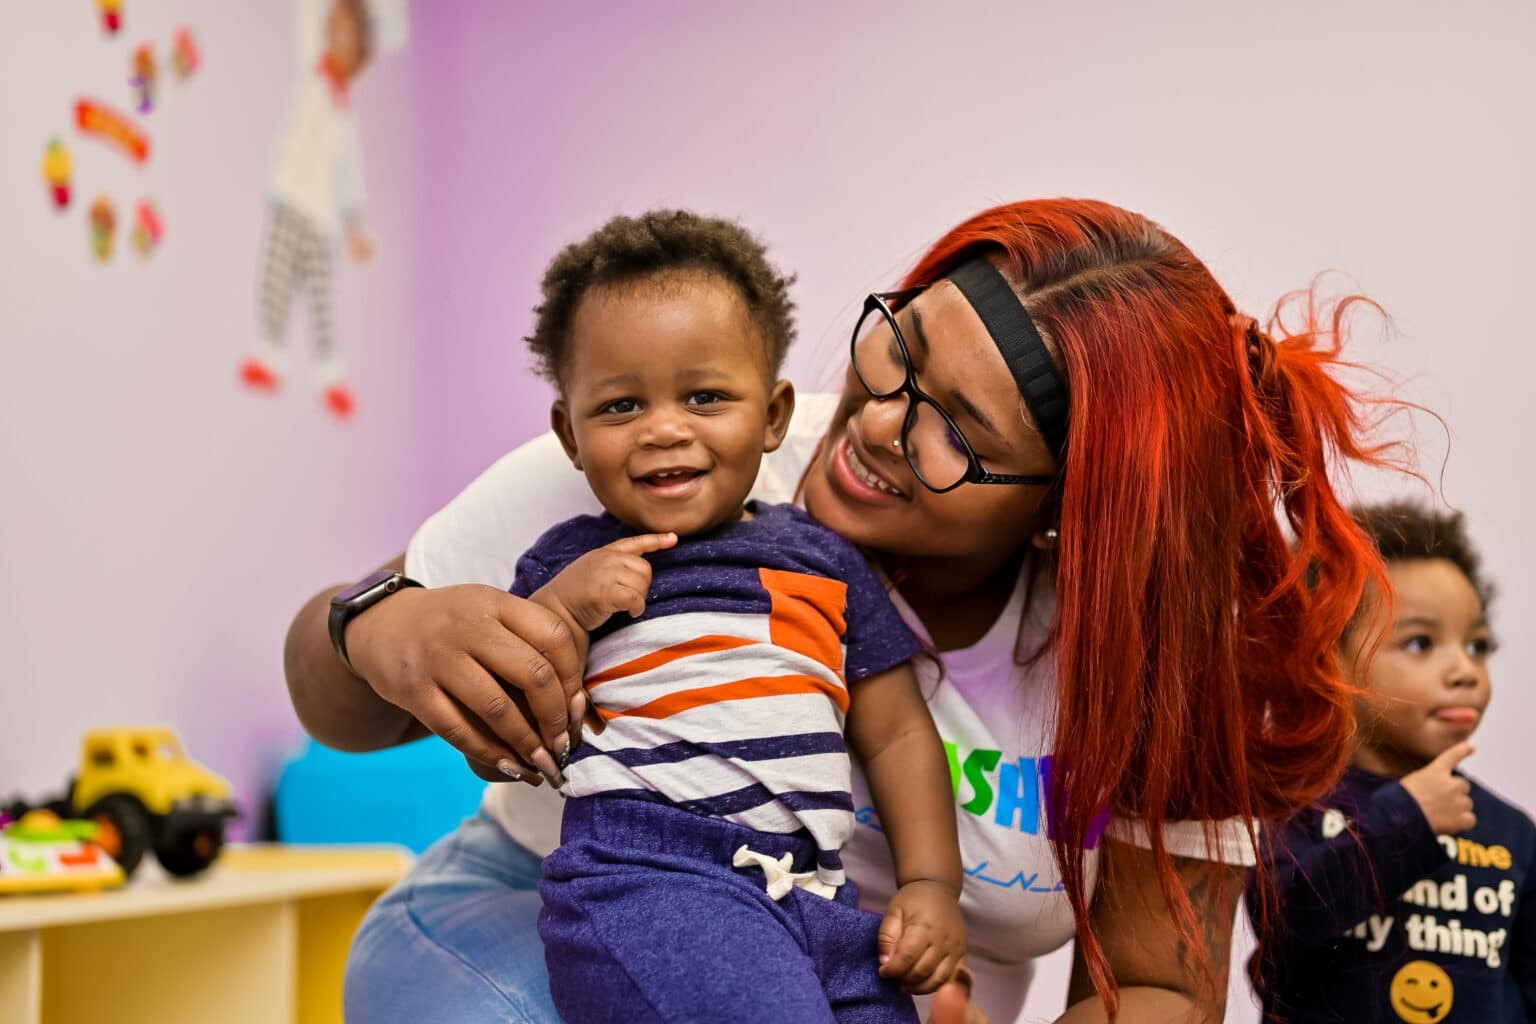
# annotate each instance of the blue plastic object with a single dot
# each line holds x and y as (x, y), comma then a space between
(411, 795)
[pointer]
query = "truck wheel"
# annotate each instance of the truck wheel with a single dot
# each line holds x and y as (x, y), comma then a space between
(125, 830)
(188, 851)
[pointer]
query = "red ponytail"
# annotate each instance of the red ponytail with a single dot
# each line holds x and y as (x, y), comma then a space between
(1195, 662)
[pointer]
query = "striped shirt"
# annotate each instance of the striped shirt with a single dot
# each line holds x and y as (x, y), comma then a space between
(727, 696)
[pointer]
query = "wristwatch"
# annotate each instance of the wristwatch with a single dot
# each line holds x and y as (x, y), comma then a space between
(358, 598)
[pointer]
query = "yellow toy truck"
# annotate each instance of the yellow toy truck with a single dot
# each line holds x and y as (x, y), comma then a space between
(144, 793)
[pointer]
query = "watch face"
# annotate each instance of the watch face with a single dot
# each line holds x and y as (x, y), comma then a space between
(373, 581)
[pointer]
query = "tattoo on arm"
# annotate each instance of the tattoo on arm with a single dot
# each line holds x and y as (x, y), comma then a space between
(1209, 888)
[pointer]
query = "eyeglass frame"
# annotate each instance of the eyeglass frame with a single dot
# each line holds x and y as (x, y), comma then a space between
(975, 472)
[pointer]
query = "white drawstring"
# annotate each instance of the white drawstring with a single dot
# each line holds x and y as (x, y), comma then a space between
(778, 879)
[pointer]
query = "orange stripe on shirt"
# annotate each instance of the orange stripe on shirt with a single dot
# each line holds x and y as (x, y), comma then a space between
(809, 614)
(741, 689)
(710, 644)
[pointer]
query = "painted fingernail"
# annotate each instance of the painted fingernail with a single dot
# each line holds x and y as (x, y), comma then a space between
(509, 768)
(565, 753)
(578, 707)
(546, 764)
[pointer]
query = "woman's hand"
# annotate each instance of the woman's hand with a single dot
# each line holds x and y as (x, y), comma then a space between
(952, 1005)
(442, 655)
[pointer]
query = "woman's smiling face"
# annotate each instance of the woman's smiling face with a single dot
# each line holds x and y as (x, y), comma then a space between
(861, 484)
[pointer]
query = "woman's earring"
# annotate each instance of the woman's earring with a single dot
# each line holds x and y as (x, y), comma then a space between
(1052, 537)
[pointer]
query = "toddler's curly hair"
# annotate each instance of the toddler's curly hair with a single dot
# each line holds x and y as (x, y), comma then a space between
(628, 249)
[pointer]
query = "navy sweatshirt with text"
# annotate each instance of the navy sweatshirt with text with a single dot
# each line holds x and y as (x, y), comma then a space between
(1379, 919)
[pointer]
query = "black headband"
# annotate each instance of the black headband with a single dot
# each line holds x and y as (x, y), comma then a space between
(1014, 333)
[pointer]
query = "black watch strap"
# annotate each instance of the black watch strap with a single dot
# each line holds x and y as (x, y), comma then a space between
(358, 598)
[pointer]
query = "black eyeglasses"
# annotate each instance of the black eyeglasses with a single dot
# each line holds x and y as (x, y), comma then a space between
(940, 456)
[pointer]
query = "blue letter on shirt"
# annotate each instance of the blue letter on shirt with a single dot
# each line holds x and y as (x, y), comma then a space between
(1018, 790)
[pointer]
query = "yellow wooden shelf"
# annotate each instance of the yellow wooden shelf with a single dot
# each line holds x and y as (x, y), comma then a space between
(262, 938)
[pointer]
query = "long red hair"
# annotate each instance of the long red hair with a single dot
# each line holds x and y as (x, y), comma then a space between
(1194, 639)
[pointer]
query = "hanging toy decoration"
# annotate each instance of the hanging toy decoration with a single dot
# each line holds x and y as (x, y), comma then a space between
(145, 77)
(99, 120)
(185, 56)
(148, 229)
(58, 169)
(315, 199)
(103, 226)
(111, 15)
(143, 222)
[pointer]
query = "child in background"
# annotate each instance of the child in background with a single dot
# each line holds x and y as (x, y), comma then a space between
(1406, 896)
(737, 651)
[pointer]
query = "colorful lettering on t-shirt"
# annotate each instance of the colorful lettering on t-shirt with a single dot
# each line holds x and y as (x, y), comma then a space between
(1013, 792)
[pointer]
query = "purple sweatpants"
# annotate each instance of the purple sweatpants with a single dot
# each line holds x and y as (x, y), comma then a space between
(645, 920)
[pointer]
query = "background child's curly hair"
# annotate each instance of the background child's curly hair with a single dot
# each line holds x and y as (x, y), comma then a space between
(628, 249)
(1404, 531)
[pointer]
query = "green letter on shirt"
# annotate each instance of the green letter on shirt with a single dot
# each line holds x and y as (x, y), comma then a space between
(977, 764)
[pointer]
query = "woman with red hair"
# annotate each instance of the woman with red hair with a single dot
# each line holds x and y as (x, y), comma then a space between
(1099, 492)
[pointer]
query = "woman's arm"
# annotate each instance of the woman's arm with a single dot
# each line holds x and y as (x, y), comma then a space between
(435, 661)
(495, 676)
(334, 706)
(1158, 974)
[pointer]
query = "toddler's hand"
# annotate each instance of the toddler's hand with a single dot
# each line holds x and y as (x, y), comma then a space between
(922, 939)
(614, 578)
(1445, 799)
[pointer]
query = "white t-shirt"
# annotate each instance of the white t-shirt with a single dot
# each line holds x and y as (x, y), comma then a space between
(994, 715)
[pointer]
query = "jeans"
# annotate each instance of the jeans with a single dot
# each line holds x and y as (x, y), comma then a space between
(456, 940)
